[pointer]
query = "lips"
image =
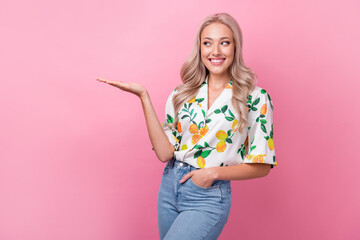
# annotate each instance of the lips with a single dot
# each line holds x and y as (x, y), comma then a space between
(216, 60)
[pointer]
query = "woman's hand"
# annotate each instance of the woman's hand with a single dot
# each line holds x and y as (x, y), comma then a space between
(202, 177)
(134, 88)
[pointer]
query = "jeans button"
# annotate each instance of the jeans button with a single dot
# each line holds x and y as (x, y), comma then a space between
(181, 164)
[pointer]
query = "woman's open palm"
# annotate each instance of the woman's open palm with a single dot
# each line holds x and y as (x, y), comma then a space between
(134, 88)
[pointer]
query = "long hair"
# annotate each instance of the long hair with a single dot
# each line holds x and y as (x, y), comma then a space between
(193, 72)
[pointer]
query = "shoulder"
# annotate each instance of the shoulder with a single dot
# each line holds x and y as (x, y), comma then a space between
(259, 93)
(171, 95)
(258, 99)
(172, 92)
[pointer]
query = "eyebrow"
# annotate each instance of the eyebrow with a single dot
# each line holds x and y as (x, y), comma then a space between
(220, 38)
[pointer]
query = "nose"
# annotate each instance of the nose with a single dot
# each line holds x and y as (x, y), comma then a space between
(216, 50)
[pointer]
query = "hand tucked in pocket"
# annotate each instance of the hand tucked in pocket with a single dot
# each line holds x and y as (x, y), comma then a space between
(203, 177)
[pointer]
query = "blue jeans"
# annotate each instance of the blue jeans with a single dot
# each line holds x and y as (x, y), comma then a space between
(189, 211)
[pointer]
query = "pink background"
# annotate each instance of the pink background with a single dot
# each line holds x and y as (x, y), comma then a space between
(75, 158)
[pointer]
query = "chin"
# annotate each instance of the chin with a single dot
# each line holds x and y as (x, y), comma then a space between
(217, 72)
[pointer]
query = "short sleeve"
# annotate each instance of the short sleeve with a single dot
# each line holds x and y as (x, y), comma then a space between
(170, 131)
(260, 134)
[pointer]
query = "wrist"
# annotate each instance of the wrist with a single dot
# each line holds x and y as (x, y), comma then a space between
(214, 173)
(144, 95)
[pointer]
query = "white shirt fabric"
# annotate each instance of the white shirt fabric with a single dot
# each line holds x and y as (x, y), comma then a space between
(207, 138)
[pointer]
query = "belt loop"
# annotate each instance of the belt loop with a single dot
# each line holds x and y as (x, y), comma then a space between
(171, 162)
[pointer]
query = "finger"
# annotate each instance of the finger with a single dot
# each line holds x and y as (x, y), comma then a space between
(101, 80)
(104, 80)
(113, 83)
(186, 177)
(108, 81)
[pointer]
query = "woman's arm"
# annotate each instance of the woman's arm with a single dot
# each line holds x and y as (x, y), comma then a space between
(205, 176)
(163, 148)
(241, 171)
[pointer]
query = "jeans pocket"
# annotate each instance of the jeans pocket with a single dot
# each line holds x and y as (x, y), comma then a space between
(214, 185)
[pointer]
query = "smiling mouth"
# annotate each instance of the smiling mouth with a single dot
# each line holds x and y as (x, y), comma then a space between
(216, 60)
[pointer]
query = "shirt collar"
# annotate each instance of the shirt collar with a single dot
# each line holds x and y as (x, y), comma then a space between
(225, 96)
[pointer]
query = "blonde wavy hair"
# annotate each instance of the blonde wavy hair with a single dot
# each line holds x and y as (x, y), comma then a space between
(194, 72)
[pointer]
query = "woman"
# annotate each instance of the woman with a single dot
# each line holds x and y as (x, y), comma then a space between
(222, 131)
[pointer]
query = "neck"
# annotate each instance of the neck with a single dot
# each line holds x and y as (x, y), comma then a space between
(218, 81)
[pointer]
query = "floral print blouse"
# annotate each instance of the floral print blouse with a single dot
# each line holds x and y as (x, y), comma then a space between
(207, 138)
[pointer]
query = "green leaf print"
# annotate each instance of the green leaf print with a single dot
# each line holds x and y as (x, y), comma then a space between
(243, 152)
(217, 111)
(256, 102)
(229, 132)
(269, 96)
(208, 120)
(170, 119)
(197, 154)
(203, 112)
(252, 148)
(249, 107)
(231, 114)
(191, 112)
(206, 153)
(253, 140)
(224, 108)
(228, 140)
(263, 128)
(201, 124)
(263, 121)
(263, 91)
(206, 144)
(229, 118)
(199, 100)
(254, 108)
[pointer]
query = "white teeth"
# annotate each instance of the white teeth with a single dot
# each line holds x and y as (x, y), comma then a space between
(213, 60)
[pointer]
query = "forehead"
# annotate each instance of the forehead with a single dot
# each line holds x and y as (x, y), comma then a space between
(216, 30)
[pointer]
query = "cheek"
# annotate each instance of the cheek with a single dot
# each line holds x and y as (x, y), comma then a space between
(230, 55)
(205, 52)
(229, 52)
(204, 56)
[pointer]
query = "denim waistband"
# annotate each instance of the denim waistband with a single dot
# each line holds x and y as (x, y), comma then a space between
(176, 163)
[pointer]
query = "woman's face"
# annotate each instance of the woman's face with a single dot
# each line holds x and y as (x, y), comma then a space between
(217, 48)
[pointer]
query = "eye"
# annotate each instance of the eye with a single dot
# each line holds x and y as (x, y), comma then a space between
(227, 43)
(205, 43)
